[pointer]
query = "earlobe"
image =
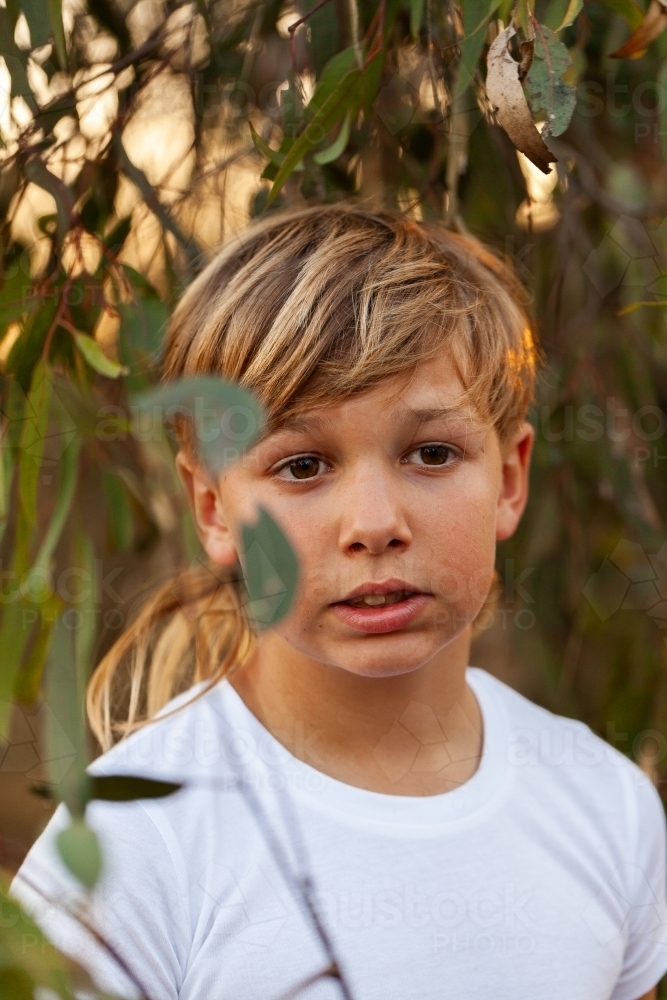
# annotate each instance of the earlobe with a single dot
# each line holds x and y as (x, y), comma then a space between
(206, 507)
(513, 493)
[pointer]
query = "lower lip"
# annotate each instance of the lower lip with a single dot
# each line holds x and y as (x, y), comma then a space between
(385, 618)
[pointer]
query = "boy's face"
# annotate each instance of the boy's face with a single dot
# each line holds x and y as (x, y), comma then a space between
(393, 501)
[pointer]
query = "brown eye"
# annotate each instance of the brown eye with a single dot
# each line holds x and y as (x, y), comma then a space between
(434, 454)
(304, 468)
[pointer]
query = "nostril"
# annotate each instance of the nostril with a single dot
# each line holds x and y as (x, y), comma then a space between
(396, 543)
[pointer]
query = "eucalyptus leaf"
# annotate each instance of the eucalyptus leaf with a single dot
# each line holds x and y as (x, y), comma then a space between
(476, 16)
(37, 16)
(65, 727)
(66, 487)
(546, 90)
(13, 640)
(79, 848)
(350, 92)
(333, 151)
(31, 444)
(226, 419)
(96, 358)
(416, 17)
(271, 570)
(128, 787)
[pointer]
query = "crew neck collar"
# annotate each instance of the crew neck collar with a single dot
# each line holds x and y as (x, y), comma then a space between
(427, 813)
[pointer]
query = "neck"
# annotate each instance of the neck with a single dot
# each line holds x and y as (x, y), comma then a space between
(418, 733)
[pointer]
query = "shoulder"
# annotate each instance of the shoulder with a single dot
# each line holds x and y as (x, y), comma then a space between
(192, 735)
(566, 760)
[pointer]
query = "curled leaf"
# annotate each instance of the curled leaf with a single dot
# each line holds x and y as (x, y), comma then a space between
(79, 848)
(654, 23)
(333, 151)
(574, 8)
(263, 147)
(508, 100)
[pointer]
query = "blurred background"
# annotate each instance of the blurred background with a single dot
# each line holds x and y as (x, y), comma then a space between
(136, 135)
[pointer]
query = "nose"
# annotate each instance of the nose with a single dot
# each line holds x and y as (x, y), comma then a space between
(373, 516)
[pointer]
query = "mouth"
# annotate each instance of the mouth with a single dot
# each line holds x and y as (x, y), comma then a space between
(380, 600)
(381, 607)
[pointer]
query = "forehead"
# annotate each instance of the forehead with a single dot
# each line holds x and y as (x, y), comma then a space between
(432, 391)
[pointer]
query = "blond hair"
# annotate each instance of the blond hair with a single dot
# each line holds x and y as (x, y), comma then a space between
(306, 308)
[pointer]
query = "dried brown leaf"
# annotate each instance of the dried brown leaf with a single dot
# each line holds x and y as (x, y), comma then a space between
(527, 53)
(654, 23)
(509, 102)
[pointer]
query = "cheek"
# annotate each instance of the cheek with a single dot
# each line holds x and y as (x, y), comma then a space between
(461, 545)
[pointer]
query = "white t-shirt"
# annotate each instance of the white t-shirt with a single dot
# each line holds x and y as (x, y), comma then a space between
(541, 878)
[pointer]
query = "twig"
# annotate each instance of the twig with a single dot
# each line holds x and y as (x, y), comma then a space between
(139, 178)
(353, 11)
(120, 961)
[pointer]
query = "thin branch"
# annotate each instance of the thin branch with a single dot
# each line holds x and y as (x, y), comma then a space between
(95, 934)
(353, 12)
(151, 199)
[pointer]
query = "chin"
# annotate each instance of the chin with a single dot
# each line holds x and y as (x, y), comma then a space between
(391, 661)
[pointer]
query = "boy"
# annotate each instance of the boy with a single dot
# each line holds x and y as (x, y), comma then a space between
(363, 813)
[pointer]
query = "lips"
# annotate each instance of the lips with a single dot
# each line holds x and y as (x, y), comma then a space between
(385, 606)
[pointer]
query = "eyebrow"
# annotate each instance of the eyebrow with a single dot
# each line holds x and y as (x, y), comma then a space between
(423, 416)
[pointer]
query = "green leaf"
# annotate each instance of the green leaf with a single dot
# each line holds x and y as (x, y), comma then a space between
(263, 147)
(79, 848)
(628, 9)
(28, 680)
(546, 90)
(416, 17)
(574, 8)
(37, 16)
(347, 95)
(66, 487)
(227, 419)
(143, 325)
(65, 728)
(14, 634)
(476, 16)
(119, 512)
(332, 75)
(96, 358)
(56, 19)
(271, 570)
(31, 443)
(26, 349)
(333, 151)
(128, 787)
(15, 984)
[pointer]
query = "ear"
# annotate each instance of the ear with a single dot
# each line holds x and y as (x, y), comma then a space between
(513, 494)
(207, 512)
